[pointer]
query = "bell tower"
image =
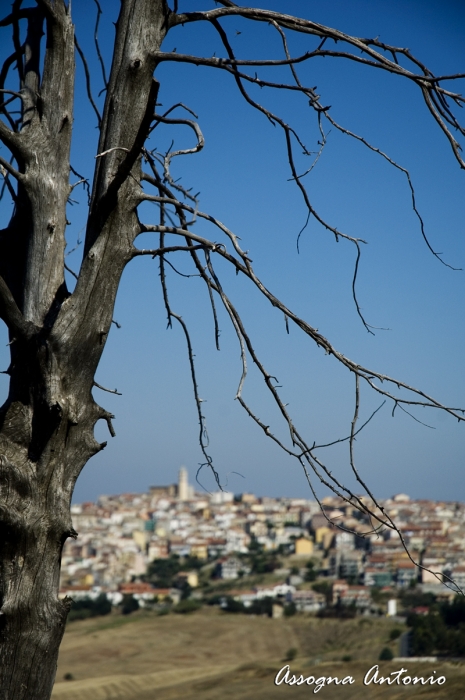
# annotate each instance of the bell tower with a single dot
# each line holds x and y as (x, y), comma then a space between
(183, 485)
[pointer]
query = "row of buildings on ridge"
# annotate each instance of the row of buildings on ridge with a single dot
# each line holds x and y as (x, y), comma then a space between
(120, 535)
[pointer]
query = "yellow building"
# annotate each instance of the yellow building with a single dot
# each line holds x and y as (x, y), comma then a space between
(200, 551)
(190, 577)
(324, 535)
(140, 538)
(303, 546)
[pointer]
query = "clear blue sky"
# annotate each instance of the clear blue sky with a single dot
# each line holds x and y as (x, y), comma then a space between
(243, 177)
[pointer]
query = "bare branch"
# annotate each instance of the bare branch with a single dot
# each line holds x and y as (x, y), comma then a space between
(304, 454)
(88, 84)
(187, 122)
(359, 430)
(82, 180)
(7, 185)
(396, 165)
(71, 271)
(426, 81)
(12, 316)
(3, 76)
(107, 416)
(16, 41)
(243, 265)
(97, 45)
(16, 146)
(231, 64)
(11, 92)
(110, 391)
(155, 228)
(16, 15)
(203, 435)
(353, 432)
(111, 150)
(160, 252)
(7, 167)
(396, 405)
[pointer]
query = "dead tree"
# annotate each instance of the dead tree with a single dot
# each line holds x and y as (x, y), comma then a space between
(57, 337)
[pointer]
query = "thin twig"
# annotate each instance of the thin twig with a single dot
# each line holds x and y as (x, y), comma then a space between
(110, 391)
(97, 45)
(88, 83)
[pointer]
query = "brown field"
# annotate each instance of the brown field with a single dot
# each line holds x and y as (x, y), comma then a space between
(213, 655)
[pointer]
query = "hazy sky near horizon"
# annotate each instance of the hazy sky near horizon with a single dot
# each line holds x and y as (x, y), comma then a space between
(243, 178)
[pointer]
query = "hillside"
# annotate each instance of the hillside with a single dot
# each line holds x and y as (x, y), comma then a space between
(210, 655)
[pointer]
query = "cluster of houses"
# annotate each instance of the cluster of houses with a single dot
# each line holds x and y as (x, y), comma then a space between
(120, 535)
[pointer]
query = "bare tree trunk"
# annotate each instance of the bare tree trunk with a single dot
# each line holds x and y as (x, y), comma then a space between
(47, 423)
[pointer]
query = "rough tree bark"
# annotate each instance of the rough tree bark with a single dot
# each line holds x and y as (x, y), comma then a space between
(57, 338)
(47, 423)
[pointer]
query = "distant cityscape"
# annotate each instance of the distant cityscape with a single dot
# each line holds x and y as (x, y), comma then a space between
(220, 535)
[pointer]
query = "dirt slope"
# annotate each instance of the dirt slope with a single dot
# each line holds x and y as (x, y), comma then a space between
(210, 655)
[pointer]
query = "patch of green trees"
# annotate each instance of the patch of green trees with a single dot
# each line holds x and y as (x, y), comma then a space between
(441, 631)
(89, 607)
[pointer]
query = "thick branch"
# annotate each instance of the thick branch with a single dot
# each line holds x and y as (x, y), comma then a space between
(12, 316)
(6, 166)
(15, 144)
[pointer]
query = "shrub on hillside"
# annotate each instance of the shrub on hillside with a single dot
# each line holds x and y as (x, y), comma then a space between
(89, 607)
(395, 633)
(262, 606)
(233, 606)
(386, 654)
(324, 587)
(129, 604)
(188, 605)
(290, 609)
(291, 654)
(310, 573)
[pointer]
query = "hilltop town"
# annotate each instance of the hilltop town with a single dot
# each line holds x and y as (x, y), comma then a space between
(226, 539)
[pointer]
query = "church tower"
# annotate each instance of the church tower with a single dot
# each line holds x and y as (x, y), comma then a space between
(183, 485)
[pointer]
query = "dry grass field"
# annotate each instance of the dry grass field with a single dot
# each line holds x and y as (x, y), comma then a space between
(210, 655)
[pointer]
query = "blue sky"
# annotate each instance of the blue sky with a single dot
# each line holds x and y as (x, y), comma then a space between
(242, 175)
